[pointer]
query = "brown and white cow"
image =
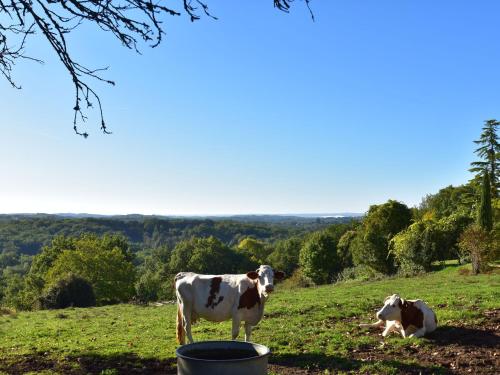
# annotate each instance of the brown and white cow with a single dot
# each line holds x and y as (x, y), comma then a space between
(412, 318)
(223, 297)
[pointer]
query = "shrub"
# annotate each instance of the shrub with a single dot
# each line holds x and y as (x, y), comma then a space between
(318, 258)
(360, 273)
(14, 292)
(256, 250)
(111, 275)
(7, 311)
(147, 288)
(106, 262)
(343, 249)
(480, 246)
(414, 249)
(207, 255)
(70, 291)
(370, 246)
(285, 256)
(297, 280)
(450, 228)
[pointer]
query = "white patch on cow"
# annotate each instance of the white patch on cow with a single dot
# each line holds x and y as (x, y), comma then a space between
(391, 309)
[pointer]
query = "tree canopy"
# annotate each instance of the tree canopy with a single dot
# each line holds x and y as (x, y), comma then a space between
(489, 154)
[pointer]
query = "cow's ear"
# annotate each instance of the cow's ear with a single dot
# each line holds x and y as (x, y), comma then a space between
(253, 275)
(279, 275)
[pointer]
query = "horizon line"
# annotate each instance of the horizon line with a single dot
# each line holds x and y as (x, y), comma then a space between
(310, 214)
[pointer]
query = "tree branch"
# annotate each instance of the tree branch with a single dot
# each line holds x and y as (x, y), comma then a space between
(130, 21)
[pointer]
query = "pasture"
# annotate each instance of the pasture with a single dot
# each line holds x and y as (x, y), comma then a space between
(311, 330)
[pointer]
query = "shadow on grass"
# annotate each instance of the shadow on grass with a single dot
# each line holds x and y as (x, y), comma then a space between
(124, 363)
(320, 362)
(447, 335)
(128, 363)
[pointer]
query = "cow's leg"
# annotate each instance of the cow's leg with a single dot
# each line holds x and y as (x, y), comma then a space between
(389, 328)
(236, 327)
(418, 333)
(186, 312)
(248, 331)
(380, 323)
(403, 332)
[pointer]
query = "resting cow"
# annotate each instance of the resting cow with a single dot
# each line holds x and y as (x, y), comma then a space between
(412, 318)
(222, 297)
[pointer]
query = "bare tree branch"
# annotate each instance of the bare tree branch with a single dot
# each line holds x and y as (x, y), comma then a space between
(130, 21)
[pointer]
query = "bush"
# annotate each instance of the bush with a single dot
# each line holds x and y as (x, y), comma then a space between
(208, 255)
(343, 249)
(7, 311)
(285, 256)
(360, 273)
(370, 246)
(415, 248)
(256, 250)
(106, 262)
(297, 280)
(70, 291)
(318, 258)
(14, 293)
(480, 246)
(450, 228)
(147, 288)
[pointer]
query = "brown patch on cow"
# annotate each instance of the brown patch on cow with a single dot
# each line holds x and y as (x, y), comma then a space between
(250, 298)
(411, 315)
(253, 275)
(214, 289)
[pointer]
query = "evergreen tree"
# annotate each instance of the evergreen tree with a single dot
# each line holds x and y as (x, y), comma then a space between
(489, 152)
(485, 214)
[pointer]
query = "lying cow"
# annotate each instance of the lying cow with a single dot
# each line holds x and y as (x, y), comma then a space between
(411, 318)
(224, 297)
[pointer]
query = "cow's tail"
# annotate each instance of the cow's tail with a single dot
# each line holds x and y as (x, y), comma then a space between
(181, 334)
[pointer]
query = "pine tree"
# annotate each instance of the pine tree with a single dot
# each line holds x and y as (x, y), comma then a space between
(489, 152)
(485, 214)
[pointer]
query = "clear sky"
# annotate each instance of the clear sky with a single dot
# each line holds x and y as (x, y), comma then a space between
(260, 111)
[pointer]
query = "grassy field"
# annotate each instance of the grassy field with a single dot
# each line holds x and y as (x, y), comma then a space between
(313, 330)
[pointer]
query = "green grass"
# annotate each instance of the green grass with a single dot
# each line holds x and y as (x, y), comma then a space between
(305, 328)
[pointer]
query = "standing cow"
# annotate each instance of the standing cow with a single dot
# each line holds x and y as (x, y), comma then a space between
(223, 297)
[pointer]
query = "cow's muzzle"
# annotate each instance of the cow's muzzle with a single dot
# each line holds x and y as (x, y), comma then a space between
(269, 288)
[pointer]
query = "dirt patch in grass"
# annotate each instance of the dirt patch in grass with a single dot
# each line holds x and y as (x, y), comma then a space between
(457, 349)
(88, 364)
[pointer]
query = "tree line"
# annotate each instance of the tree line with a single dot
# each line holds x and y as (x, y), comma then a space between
(84, 269)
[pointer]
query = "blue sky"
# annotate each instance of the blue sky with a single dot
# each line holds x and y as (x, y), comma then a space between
(260, 111)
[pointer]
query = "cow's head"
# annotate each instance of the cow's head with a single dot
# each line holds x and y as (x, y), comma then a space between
(392, 308)
(265, 276)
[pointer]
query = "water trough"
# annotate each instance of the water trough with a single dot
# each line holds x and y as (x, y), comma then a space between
(222, 358)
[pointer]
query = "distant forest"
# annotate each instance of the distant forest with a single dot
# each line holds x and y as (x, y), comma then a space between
(27, 234)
